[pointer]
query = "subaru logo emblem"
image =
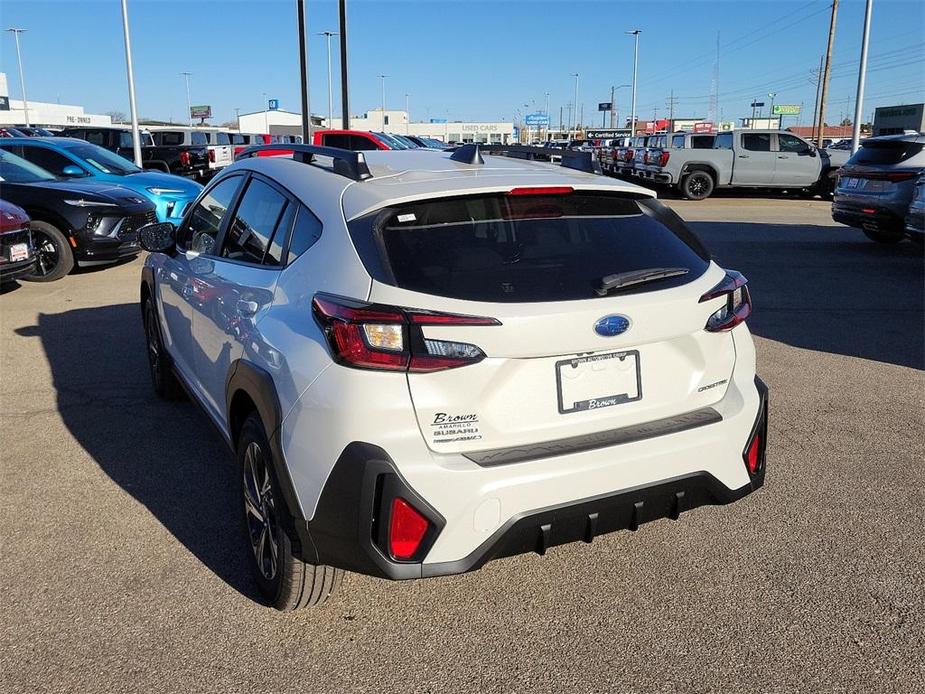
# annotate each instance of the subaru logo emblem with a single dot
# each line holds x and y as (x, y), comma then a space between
(611, 326)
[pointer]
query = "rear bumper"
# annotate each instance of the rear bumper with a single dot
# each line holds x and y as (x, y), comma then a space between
(673, 473)
(878, 215)
(12, 271)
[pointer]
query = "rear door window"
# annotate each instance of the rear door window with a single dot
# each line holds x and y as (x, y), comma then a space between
(168, 138)
(723, 141)
(757, 142)
(678, 141)
(525, 248)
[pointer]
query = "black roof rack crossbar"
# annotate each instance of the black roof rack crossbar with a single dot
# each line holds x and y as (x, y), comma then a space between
(570, 159)
(346, 162)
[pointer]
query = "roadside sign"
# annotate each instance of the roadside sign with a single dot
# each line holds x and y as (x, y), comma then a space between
(200, 111)
(538, 118)
(273, 105)
(605, 106)
(705, 127)
(757, 104)
(785, 110)
(605, 133)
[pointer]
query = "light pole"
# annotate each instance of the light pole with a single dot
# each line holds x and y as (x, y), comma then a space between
(382, 85)
(408, 114)
(328, 35)
(22, 80)
(344, 91)
(303, 75)
(266, 117)
(635, 33)
(189, 104)
(576, 76)
(136, 136)
(862, 76)
(771, 96)
(615, 121)
(546, 113)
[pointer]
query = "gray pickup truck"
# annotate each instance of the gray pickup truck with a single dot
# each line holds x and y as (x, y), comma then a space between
(749, 159)
(660, 148)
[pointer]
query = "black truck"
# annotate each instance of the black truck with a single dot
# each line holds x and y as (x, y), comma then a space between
(169, 151)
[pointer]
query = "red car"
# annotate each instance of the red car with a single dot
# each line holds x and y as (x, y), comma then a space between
(355, 140)
(17, 256)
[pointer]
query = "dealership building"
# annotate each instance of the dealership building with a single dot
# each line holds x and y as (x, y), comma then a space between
(43, 114)
(281, 122)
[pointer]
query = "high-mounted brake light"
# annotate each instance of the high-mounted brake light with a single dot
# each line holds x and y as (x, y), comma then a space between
(372, 336)
(542, 190)
(738, 304)
(407, 528)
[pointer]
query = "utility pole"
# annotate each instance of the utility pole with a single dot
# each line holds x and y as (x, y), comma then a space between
(576, 76)
(862, 77)
(382, 84)
(771, 95)
(825, 76)
(136, 135)
(546, 111)
(22, 80)
(189, 104)
(408, 114)
(328, 35)
(635, 33)
(303, 75)
(345, 105)
(671, 104)
(612, 91)
(818, 94)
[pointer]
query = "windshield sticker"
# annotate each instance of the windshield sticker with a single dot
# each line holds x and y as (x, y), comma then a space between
(449, 428)
(410, 217)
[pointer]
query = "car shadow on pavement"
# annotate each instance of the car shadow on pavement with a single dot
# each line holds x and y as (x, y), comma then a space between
(828, 288)
(164, 454)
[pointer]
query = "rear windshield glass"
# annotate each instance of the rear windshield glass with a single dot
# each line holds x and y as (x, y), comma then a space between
(525, 248)
(885, 152)
(168, 138)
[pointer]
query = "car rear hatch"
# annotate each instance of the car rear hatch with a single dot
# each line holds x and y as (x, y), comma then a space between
(511, 290)
(878, 169)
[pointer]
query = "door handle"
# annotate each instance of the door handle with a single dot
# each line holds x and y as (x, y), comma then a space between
(782, 156)
(247, 308)
(743, 156)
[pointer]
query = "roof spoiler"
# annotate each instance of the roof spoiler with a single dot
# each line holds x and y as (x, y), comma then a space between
(347, 163)
(580, 161)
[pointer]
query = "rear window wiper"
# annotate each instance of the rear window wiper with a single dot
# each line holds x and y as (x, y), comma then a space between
(622, 280)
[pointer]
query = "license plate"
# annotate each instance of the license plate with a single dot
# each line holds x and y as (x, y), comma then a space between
(19, 251)
(597, 381)
(852, 182)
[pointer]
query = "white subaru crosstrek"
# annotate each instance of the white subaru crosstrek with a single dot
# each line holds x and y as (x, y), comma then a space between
(427, 360)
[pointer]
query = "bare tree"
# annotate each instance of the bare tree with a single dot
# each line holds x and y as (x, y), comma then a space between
(116, 116)
(229, 124)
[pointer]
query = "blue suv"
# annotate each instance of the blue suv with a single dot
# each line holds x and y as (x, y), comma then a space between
(69, 158)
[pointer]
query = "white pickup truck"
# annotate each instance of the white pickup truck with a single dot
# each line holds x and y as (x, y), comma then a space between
(750, 159)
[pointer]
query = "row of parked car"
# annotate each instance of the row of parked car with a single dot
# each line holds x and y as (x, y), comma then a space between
(77, 198)
(878, 190)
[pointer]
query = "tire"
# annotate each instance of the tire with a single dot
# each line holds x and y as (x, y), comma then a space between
(697, 185)
(884, 235)
(826, 186)
(53, 254)
(163, 379)
(285, 582)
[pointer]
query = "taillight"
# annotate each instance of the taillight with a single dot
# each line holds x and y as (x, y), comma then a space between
(894, 176)
(738, 304)
(407, 528)
(212, 155)
(663, 158)
(645, 157)
(372, 336)
(629, 155)
(184, 159)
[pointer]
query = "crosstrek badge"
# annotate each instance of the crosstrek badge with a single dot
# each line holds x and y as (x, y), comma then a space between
(448, 428)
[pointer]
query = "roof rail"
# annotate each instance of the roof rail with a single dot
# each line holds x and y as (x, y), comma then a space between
(346, 162)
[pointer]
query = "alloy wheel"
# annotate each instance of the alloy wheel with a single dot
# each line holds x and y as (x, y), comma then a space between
(154, 347)
(260, 511)
(46, 253)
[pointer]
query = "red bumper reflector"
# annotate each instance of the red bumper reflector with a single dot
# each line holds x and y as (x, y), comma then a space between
(868, 210)
(407, 528)
(753, 455)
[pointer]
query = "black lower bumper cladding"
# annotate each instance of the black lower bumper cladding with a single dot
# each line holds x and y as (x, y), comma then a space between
(347, 529)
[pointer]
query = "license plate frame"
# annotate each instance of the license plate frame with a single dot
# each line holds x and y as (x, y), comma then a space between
(18, 252)
(602, 401)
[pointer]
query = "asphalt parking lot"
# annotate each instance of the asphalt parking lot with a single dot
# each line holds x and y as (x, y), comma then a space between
(124, 569)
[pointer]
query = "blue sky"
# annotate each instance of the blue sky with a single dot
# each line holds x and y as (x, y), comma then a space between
(465, 60)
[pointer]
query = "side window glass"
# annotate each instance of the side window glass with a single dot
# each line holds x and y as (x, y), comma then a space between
(305, 233)
(340, 141)
(678, 141)
(48, 159)
(277, 247)
(361, 144)
(96, 137)
(201, 228)
(757, 142)
(790, 143)
(125, 140)
(199, 139)
(254, 223)
(723, 141)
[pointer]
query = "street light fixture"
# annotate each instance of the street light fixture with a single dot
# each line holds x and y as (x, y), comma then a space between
(634, 33)
(22, 80)
(328, 35)
(189, 104)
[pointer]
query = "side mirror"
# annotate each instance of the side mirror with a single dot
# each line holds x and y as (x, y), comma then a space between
(72, 171)
(158, 238)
